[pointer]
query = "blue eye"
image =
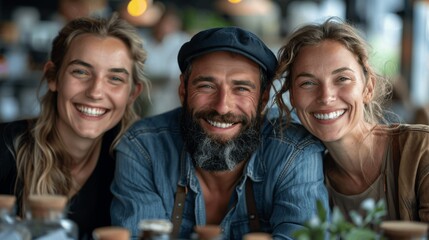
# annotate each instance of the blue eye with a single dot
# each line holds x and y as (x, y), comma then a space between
(117, 79)
(242, 89)
(307, 84)
(78, 71)
(205, 86)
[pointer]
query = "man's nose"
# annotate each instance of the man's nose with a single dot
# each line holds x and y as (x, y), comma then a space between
(223, 101)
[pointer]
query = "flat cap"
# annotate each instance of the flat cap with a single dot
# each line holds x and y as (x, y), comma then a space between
(233, 39)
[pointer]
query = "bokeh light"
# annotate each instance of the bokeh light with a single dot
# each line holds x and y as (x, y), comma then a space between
(137, 7)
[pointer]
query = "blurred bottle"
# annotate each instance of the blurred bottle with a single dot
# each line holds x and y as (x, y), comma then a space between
(155, 229)
(10, 228)
(208, 232)
(45, 218)
(111, 233)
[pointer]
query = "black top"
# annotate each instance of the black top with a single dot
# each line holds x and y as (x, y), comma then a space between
(90, 207)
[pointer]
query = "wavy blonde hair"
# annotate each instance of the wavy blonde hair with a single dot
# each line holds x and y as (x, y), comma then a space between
(41, 157)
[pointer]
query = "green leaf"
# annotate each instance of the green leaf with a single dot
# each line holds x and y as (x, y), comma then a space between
(359, 234)
(321, 211)
(356, 218)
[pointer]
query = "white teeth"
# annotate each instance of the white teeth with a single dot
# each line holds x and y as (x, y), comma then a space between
(219, 124)
(91, 111)
(329, 116)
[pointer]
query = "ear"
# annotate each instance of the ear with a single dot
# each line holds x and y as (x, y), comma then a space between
(49, 73)
(369, 90)
(138, 88)
(182, 89)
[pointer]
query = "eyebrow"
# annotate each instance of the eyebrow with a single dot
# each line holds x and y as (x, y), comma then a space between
(244, 83)
(85, 64)
(343, 69)
(304, 75)
(211, 79)
(202, 79)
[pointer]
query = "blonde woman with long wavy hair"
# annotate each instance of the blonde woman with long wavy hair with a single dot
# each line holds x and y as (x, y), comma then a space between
(94, 77)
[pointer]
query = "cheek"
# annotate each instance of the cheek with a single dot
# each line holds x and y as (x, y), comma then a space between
(63, 97)
(195, 99)
(299, 100)
(355, 96)
(121, 98)
(251, 103)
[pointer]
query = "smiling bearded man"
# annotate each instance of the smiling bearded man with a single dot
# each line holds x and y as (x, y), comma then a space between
(220, 159)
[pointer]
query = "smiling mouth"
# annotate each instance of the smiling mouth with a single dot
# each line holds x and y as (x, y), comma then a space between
(89, 111)
(329, 116)
(220, 124)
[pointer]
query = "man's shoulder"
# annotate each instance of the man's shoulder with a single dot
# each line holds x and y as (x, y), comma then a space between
(167, 120)
(294, 138)
(292, 133)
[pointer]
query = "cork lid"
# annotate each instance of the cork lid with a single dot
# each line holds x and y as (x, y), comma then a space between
(47, 202)
(7, 201)
(111, 233)
(156, 225)
(208, 231)
(401, 229)
(257, 236)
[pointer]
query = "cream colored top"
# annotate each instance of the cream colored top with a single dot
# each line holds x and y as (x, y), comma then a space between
(376, 191)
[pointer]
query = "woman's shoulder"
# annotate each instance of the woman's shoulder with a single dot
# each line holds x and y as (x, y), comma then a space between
(408, 129)
(410, 134)
(10, 130)
(18, 125)
(414, 128)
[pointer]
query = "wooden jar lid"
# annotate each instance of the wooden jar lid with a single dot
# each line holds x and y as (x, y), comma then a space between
(400, 229)
(47, 202)
(7, 201)
(257, 236)
(111, 233)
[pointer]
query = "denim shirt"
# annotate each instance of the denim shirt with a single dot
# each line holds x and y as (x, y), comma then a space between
(286, 174)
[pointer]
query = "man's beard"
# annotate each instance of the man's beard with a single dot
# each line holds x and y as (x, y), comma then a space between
(217, 154)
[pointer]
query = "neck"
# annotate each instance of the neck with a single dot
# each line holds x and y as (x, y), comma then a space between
(349, 151)
(220, 181)
(87, 156)
(84, 154)
(356, 162)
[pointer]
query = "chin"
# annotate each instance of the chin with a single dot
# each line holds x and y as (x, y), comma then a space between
(90, 135)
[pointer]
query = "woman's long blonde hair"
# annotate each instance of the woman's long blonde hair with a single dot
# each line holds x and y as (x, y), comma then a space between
(41, 157)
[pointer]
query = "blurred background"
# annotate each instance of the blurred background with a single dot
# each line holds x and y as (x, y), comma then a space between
(397, 30)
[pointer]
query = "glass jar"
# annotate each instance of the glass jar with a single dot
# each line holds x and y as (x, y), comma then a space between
(10, 228)
(155, 229)
(45, 218)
